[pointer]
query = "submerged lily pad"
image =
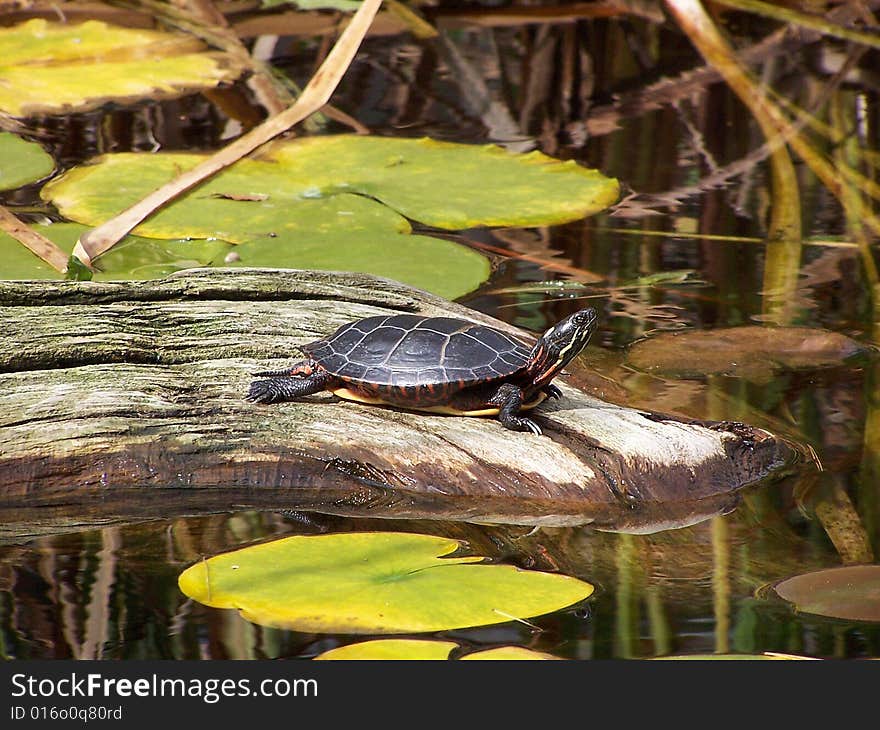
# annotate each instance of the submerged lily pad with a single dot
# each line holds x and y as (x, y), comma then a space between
(850, 592)
(22, 162)
(133, 258)
(754, 353)
(378, 582)
(53, 67)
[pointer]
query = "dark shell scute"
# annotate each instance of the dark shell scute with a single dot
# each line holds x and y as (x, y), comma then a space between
(405, 351)
(417, 348)
(465, 351)
(353, 371)
(375, 347)
(345, 341)
(430, 376)
(405, 322)
(494, 339)
(377, 375)
(455, 374)
(334, 363)
(404, 378)
(514, 359)
(445, 325)
(486, 372)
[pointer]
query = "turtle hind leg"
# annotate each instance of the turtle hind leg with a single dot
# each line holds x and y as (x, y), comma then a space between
(509, 399)
(287, 387)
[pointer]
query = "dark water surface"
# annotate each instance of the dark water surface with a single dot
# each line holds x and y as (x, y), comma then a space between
(112, 593)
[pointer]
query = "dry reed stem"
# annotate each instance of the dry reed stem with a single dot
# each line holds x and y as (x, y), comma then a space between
(35, 242)
(316, 94)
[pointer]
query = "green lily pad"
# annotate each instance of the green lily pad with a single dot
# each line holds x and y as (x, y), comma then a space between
(22, 162)
(850, 592)
(378, 582)
(132, 258)
(448, 185)
(434, 264)
(315, 203)
(401, 649)
(248, 201)
(53, 67)
(322, 182)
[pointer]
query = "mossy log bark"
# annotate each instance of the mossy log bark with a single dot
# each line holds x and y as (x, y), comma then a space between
(124, 401)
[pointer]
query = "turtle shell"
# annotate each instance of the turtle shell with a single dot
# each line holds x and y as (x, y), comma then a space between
(407, 351)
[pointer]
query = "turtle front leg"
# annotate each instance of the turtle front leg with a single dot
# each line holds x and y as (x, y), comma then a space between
(552, 391)
(290, 384)
(509, 399)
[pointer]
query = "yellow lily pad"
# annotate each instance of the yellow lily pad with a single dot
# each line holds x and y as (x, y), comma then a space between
(52, 67)
(379, 582)
(423, 649)
(398, 649)
(508, 653)
(22, 162)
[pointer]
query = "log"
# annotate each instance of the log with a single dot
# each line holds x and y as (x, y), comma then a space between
(123, 401)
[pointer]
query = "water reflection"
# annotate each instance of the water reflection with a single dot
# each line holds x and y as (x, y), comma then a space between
(112, 593)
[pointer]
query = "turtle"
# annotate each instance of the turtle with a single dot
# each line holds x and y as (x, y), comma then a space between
(435, 364)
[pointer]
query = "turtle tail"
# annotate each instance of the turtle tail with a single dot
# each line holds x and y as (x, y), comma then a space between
(274, 373)
(303, 368)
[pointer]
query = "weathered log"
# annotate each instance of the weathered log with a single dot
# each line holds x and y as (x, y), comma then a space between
(124, 401)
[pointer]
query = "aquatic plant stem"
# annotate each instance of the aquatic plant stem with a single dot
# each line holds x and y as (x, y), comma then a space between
(696, 23)
(782, 261)
(813, 22)
(721, 583)
(315, 95)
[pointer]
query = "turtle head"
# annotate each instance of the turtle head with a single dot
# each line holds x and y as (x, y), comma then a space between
(560, 345)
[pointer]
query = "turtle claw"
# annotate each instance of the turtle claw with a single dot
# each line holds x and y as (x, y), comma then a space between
(286, 387)
(263, 391)
(526, 424)
(533, 427)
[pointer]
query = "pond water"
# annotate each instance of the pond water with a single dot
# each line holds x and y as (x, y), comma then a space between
(649, 267)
